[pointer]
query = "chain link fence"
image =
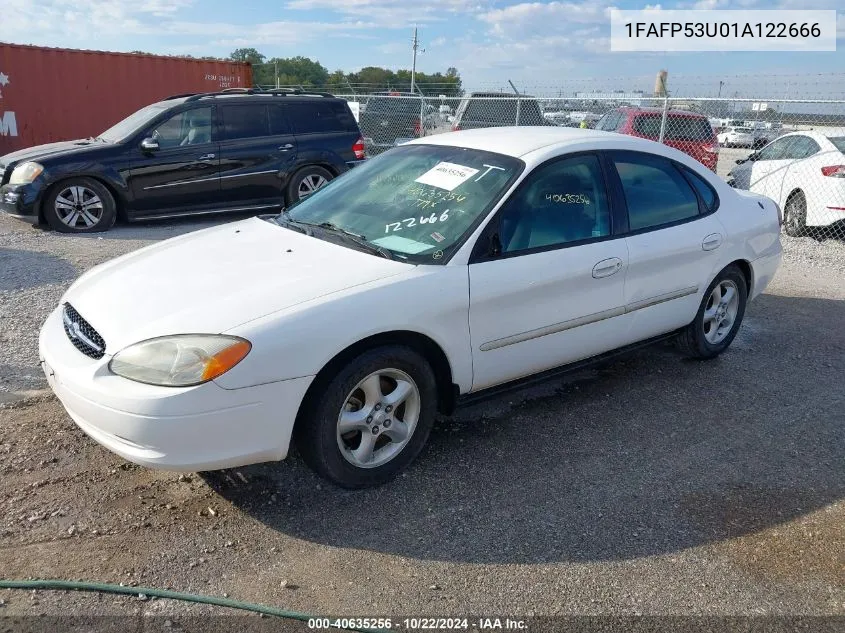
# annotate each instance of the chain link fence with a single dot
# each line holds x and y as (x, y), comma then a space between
(791, 150)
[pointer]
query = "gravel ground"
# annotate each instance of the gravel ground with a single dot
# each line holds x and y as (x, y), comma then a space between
(652, 485)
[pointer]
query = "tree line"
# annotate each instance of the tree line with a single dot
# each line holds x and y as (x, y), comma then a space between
(305, 72)
(308, 73)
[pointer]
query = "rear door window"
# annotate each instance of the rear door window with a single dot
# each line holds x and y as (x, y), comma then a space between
(704, 190)
(647, 125)
(687, 128)
(656, 192)
(245, 121)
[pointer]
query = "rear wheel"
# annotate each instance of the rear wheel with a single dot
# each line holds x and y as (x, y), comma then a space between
(795, 215)
(369, 421)
(718, 318)
(80, 205)
(305, 182)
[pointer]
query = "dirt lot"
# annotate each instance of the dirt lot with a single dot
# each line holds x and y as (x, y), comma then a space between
(652, 485)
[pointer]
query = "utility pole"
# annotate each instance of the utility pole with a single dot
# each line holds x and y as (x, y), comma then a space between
(414, 64)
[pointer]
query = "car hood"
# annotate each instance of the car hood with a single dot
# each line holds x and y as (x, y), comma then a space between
(50, 149)
(213, 280)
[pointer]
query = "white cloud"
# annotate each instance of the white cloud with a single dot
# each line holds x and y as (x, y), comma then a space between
(393, 13)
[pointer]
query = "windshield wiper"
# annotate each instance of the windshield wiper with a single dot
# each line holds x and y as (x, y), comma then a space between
(357, 238)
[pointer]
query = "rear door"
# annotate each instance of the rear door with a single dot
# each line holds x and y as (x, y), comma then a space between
(674, 241)
(183, 174)
(257, 150)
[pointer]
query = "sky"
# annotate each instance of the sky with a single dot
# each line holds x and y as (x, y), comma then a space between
(537, 45)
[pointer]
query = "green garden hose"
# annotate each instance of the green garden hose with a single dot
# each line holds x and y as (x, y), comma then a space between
(102, 587)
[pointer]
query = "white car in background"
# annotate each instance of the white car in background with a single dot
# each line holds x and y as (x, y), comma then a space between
(444, 269)
(804, 172)
(736, 137)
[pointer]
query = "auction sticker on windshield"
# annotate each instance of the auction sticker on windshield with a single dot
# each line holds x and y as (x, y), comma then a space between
(447, 176)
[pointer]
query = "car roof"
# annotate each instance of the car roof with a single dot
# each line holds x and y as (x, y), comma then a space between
(518, 141)
(678, 113)
(476, 95)
(179, 100)
(822, 132)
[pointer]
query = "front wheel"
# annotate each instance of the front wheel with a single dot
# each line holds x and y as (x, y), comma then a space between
(366, 424)
(80, 205)
(718, 318)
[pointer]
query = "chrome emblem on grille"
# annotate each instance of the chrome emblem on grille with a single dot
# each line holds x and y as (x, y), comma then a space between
(74, 331)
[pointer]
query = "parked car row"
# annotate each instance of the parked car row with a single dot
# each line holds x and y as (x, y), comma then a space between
(205, 153)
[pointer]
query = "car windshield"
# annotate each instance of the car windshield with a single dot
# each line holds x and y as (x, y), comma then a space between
(417, 202)
(133, 123)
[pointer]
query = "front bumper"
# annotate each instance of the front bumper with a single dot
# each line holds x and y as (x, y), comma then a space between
(20, 200)
(185, 429)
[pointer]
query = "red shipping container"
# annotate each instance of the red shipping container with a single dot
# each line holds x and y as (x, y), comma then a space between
(55, 94)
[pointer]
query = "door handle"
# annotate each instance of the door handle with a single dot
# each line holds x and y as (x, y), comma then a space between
(607, 267)
(207, 157)
(711, 242)
(286, 147)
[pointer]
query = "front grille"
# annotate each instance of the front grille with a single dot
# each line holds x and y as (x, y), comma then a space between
(84, 337)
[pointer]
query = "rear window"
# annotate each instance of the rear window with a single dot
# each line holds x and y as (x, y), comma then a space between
(394, 105)
(319, 116)
(503, 111)
(678, 128)
(838, 142)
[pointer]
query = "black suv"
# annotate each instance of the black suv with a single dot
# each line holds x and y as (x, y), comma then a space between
(236, 150)
(497, 109)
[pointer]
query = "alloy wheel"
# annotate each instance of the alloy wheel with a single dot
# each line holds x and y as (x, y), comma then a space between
(378, 418)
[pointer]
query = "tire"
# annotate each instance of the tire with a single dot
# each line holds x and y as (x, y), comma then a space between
(311, 177)
(699, 339)
(80, 205)
(357, 389)
(795, 215)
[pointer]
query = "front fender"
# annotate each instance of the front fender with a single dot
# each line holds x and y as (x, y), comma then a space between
(300, 341)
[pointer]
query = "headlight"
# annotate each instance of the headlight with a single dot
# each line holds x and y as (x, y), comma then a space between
(183, 360)
(25, 173)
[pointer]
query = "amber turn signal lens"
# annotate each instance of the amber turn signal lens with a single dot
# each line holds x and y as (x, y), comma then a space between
(225, 359)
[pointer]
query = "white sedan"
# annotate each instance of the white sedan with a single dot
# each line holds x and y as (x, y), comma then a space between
(804, 172)
(441, 269)
(736, 137)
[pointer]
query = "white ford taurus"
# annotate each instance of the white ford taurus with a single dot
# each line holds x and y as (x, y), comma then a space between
(437, 271)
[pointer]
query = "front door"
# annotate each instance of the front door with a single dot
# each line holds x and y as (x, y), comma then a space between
(257, 152)
(554, 292)
(183, 174)
(770, 165)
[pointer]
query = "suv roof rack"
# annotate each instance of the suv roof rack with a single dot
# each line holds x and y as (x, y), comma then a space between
(276, 92)
(179, 96)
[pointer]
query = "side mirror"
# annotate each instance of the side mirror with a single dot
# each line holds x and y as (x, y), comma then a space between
(149, 145)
